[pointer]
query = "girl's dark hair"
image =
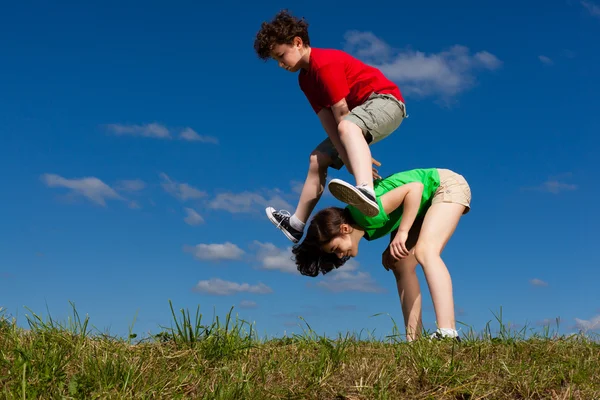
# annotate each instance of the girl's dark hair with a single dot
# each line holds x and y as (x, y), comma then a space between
(281, 30)
(325, 225)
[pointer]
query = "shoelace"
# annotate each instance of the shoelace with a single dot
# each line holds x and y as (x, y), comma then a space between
(283, 213)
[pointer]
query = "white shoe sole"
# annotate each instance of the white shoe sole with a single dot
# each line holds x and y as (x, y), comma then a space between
(269, 211)
(349, 194)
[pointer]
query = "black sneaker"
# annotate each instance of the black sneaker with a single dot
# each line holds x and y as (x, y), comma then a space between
(281, 219)
(358, 197)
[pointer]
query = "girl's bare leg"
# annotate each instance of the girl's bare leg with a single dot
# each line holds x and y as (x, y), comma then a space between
(438, 226)
(405, 271)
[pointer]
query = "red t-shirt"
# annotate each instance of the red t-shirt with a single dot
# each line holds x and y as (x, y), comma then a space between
(334, 74)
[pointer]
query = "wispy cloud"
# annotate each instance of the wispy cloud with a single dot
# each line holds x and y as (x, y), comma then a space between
(588, 325)
(445, 74)
(273, 258)
(347, 278)
(592, 8)
(159, 131)
(538, 282)
(246, 202)
(133, 185)
(220, 287)
(192, 217)
(215, 251)
(153, 130)
(248, 304)
(546, 60)
(182, 191)
(192, 136)
(554, 185)
(90, 188)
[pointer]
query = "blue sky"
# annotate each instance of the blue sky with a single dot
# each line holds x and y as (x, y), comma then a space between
(140, 143)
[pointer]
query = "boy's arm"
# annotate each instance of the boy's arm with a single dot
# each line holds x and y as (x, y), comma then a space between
(340, 110)
(409, 195)
(328, 121)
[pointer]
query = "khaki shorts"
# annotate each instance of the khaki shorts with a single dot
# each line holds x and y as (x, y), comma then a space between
(453, 189)
(378, 117)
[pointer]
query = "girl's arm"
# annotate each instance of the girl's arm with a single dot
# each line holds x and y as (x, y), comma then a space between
(409, 195)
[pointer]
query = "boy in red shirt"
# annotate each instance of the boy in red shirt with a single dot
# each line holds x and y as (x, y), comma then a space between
(356, 104)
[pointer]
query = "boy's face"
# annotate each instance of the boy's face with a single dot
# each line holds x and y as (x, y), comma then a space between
(289, 56)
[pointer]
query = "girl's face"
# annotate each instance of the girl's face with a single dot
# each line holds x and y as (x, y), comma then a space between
(344, 245)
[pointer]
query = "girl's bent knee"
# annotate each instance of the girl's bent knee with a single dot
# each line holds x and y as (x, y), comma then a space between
(423, 253)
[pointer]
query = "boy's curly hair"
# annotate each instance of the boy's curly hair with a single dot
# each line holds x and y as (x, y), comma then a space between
(281, 30)
(309, 257)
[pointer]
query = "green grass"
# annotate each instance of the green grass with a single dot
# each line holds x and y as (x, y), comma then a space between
(224, 359)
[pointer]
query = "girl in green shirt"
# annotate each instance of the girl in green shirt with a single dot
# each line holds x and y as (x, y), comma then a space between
(420, 209)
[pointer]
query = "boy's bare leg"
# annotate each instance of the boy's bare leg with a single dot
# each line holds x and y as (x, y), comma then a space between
(313, 186)
(293, 225)
(356, 154)
(438, 226)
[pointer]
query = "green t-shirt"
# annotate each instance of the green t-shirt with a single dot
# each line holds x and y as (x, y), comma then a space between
(383, 224)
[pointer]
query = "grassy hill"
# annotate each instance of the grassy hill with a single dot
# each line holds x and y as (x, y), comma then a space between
(224, 359)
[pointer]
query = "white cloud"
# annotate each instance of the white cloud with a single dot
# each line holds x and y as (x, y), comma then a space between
(588, 325)
(159, 131)
(91, 188)
(248, 304)
(221, 287)
(444, 74)
(368, 46)
(133, 185)
(182, 191)
(346, 278)
(538, 282)
(192, 217)
(546, 60)
(273, 258)
(153, 130)
(192, 136)
(593, 8)
(215, 251)
(555, 185)
(246, 202)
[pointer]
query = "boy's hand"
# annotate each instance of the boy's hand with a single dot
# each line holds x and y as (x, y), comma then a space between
(375, 173)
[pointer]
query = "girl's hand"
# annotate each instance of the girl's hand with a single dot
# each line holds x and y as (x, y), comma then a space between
(398, 248)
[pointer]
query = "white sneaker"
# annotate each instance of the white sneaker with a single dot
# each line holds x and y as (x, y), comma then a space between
(358, 197)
